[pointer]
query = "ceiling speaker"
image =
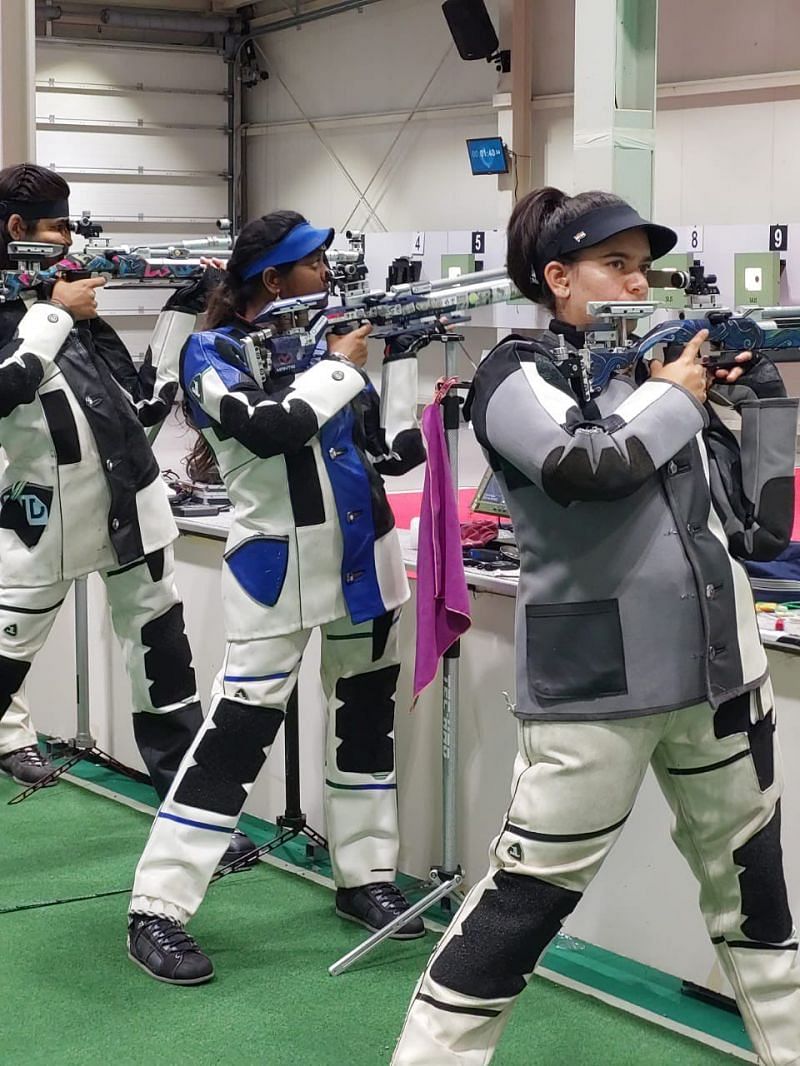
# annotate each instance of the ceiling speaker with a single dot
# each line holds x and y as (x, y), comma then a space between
(472, 28)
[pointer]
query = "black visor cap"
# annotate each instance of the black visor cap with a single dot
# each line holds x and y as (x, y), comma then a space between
(597, 225)
(32, 210)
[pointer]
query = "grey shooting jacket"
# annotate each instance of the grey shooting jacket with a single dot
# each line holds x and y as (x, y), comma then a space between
(630, 525)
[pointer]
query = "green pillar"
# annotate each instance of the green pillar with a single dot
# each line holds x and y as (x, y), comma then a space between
(615, 98)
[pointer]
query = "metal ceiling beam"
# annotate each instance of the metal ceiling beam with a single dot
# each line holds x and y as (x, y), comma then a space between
(146, 46)
(149, 18)
(166, 21)
(259, 27)
(191, 6)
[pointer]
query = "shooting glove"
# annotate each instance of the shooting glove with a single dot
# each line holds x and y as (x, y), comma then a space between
(761, 380)
(408, 342)
(193, 296)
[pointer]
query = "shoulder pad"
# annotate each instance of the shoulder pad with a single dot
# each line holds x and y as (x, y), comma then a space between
(504, 359)
(526, 348)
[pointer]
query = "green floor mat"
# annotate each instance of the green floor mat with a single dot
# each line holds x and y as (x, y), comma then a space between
(63, 843)
(272, 937)
(70, 995)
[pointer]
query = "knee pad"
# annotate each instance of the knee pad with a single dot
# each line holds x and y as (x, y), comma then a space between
(164, 739)
(381, 628)
(501, 939)
(155, 565)
(762, 749)
(365, 720)
(168, 658)
(12, 673)
(229, 756)
(733, 717)
(765, 903)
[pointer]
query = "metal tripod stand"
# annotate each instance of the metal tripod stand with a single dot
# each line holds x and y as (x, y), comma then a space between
(292, 823)
(82, 745)
(445, 878)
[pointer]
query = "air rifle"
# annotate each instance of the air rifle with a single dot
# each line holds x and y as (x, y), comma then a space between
(289, 342)
(124, 266)
(609, 349)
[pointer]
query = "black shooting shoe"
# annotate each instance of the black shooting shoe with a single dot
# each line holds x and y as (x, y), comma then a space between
(163, 948)
(374, 906)
(27, 766)
(238, 848)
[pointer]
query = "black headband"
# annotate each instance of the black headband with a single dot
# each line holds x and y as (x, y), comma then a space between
(595, 226)
(31, 210)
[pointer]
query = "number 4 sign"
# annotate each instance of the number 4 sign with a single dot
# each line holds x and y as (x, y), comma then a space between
(778, 238)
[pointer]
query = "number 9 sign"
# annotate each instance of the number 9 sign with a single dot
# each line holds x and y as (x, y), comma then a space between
(778, 238)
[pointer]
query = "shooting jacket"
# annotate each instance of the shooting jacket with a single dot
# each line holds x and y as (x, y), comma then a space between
(313, 537)
(82, 490)
(631, 519)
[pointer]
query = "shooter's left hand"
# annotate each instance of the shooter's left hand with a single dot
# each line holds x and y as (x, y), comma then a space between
(731, 374)
(410, 341)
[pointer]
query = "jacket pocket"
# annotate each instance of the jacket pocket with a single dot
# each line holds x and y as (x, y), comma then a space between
(259, 564)
(575, 650)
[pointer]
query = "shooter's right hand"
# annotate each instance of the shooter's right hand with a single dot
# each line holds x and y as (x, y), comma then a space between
(351, 346)
(686, 370)
(78, 297)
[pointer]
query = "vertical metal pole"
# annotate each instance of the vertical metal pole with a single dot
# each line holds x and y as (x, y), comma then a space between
(450, 667)
(450, 757)
(447, 877)
(291, 760)
(523, 21)
(233, 153)
(83, 736)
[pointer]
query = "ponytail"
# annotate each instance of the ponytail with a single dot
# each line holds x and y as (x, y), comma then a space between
(229, 300)
(232, 296)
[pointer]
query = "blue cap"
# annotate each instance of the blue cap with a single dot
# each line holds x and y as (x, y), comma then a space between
(297, 244)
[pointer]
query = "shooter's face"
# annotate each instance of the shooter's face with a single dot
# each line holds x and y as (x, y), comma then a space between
(614, 270)
(306, 277)
(44, 230)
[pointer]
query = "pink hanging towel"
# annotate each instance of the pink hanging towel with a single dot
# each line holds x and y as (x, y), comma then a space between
(442, 597)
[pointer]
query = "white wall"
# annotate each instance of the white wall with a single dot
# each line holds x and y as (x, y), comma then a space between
(696, 39)
(720, 159)
(139, 135)
(729, 163)
(372, 64)
(725, 156)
